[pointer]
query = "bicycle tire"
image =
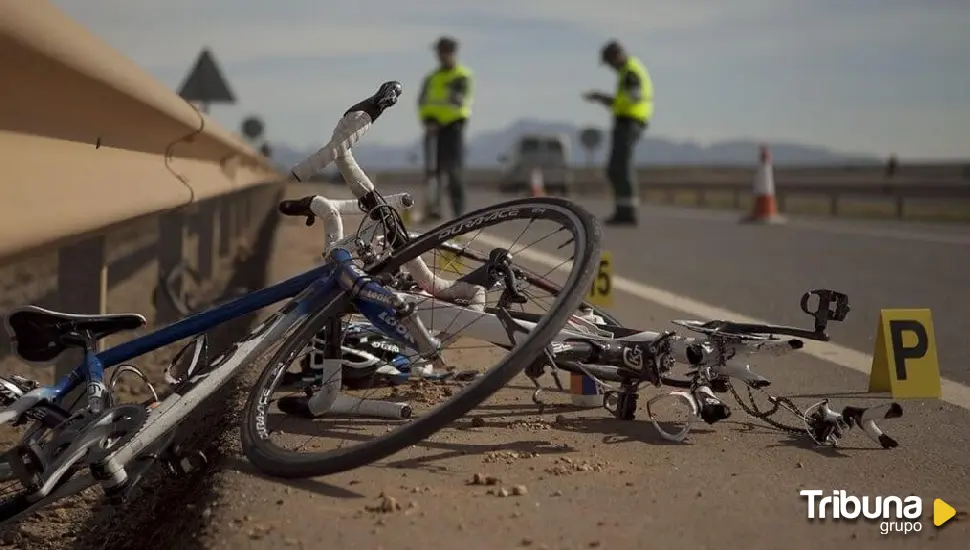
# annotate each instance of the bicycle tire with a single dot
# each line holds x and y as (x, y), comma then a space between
(275, 461)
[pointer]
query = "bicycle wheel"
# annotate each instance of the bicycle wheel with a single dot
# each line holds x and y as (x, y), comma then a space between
(574, 226)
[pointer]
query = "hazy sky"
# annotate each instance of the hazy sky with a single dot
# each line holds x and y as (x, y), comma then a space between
(864, 75)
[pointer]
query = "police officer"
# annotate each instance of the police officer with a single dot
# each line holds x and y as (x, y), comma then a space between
(632, 107)
(444, 106)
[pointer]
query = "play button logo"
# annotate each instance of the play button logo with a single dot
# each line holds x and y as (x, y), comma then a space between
(942, 512)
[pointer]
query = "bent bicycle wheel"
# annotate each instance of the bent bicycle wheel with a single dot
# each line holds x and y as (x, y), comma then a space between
(281, 440)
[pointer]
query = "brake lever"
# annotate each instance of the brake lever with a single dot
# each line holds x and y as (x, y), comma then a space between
(298, 207)
(827, 427)
(832, 306)
(866, 418)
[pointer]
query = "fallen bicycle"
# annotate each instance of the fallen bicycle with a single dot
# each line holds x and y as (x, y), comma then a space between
(594, 344)
(64, 450)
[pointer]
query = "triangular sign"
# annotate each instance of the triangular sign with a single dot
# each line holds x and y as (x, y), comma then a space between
(205, 84)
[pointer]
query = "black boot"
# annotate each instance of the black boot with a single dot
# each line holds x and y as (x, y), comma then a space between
(624, 216)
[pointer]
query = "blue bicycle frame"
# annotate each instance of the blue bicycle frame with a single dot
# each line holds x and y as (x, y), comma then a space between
(322, 284)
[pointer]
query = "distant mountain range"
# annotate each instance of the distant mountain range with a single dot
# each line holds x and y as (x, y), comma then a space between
(484, 148)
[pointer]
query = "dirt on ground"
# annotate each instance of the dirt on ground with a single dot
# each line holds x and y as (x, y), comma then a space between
(508, 476)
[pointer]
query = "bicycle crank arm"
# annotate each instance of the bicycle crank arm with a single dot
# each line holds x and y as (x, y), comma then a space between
(26, 458)
(136, 470)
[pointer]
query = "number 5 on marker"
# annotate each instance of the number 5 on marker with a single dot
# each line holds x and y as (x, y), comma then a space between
(601, 293)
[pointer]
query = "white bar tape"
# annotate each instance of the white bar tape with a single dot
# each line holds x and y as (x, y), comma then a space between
(353, 174)
(350, 128)
(329, 212)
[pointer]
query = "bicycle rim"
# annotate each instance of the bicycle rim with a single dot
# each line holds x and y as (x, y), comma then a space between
(582, 232)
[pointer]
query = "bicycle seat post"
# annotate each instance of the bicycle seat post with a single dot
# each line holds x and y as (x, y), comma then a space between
(93, 369)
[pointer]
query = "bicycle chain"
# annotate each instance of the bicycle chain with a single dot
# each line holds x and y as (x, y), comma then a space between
(764, 416)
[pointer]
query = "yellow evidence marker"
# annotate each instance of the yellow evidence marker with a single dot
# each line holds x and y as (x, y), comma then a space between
(904, 361)
(601, 292)
(447, 261)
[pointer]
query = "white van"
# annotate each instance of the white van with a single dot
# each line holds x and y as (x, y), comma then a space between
(547, 152)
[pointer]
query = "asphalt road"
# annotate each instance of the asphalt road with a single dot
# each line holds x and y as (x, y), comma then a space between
(734, 484)
(762, 271)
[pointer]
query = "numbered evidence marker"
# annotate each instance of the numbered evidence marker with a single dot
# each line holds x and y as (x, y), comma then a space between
(904, 361)
(601, 293)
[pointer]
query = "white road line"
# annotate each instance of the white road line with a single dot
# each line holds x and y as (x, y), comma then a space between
(954, 392)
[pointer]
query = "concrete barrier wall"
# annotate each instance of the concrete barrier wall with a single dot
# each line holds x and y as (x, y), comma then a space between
(110, 182)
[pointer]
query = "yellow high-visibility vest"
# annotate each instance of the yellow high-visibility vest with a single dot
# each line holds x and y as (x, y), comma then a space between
(437, 100)
(625, 105)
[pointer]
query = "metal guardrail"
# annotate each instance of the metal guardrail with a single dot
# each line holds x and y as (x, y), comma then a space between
(900, 194)
(109, 174)
(732, 186)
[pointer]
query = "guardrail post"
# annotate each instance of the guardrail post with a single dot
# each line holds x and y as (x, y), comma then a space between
(207, 242)
(237, 216)
(226, 228)
(171, 236)
(900, 207)
(834, 205)
(247, 199)
(82, 286)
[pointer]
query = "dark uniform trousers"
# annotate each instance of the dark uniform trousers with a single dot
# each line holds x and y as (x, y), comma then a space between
(449, 152)
(621, 170)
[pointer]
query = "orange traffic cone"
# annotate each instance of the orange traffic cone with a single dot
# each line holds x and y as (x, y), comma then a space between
(537, 185)
(765, 209)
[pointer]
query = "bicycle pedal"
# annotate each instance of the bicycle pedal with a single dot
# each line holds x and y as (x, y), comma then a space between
(180, 462)
(122, 494)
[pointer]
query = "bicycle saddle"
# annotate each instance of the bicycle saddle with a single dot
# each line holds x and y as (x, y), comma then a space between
(39, 336)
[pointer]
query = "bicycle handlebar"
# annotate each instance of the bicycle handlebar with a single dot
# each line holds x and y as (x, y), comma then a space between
(349, 130)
